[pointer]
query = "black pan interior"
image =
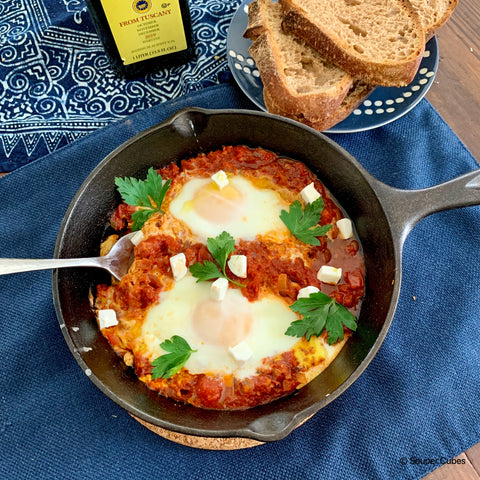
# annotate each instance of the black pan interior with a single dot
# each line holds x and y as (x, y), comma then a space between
(187, 134)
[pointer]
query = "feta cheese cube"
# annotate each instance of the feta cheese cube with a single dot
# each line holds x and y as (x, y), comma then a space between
(137, 238)
(305, 292)
(330, 275)
(218, 289)
(241, 352)
(345, 228)
(107, 318)
(178, 263)
(238, 265)
(309, 194)
(220, 178)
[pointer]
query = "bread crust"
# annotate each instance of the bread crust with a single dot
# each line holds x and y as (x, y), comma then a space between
(374, 71)
(256, 22)
(432, 28)
(448, 13)
(357, 94)
(272, 63)
(264, 53)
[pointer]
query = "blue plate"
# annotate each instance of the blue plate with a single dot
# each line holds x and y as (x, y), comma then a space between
(384, 105)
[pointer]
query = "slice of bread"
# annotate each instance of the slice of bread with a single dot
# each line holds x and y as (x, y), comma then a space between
(433, 14)
(257, 20)
(295, 75)
(378, 41)
(323, 121)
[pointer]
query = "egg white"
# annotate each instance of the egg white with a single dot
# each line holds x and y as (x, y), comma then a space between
(240, 208)
(174, 315)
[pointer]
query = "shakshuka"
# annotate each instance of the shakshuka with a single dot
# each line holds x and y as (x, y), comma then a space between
(246, 281)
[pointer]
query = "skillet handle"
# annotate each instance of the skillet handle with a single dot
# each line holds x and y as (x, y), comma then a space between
(405, 208)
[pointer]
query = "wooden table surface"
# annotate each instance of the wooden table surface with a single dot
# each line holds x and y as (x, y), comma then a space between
(455, 94)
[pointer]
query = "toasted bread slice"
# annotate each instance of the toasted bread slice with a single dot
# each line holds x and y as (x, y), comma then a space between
(293, 73)
(378, 41)
(357, 94)
(257, 21)
(433, 14)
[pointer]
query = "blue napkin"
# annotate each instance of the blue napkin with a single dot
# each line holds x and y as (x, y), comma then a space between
(416, 406)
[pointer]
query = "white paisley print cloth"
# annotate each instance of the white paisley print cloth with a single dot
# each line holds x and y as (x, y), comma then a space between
(56, 84)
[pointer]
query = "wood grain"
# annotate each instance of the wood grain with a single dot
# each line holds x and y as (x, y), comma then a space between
(455, 93)
(458, 471)
(473, 455)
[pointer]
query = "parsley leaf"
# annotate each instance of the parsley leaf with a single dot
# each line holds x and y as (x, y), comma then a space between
(146, 194)
(169, 364)
(140, 217)
(205, 271)
(320, 312)
(220, 247)
(300, 221)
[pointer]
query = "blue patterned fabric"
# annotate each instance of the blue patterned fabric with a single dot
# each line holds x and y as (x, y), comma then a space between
(56, 84)
(416, 406)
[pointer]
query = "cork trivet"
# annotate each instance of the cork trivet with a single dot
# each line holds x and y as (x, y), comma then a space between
(205, 443)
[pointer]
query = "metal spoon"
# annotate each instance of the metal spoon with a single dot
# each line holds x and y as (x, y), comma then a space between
(117, 261)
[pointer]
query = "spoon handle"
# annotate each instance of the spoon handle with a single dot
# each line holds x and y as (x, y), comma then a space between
(16, 265)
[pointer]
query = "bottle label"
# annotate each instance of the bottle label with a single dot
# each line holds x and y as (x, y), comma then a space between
(145, 29)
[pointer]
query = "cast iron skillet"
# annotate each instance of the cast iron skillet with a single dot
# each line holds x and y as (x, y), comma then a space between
(383, 216)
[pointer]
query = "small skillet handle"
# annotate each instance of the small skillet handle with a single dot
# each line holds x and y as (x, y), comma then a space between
(405, 208)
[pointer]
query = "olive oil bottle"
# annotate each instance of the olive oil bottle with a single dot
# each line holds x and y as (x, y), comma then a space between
(141, 36)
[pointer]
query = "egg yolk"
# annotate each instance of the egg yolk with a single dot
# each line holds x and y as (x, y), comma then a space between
(215, 205)
(224, 323)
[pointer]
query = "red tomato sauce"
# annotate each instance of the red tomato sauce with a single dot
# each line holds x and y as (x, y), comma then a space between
(268, 271)
(275, 378)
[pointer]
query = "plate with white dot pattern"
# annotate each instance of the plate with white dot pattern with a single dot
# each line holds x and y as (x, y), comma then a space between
(384, 104)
